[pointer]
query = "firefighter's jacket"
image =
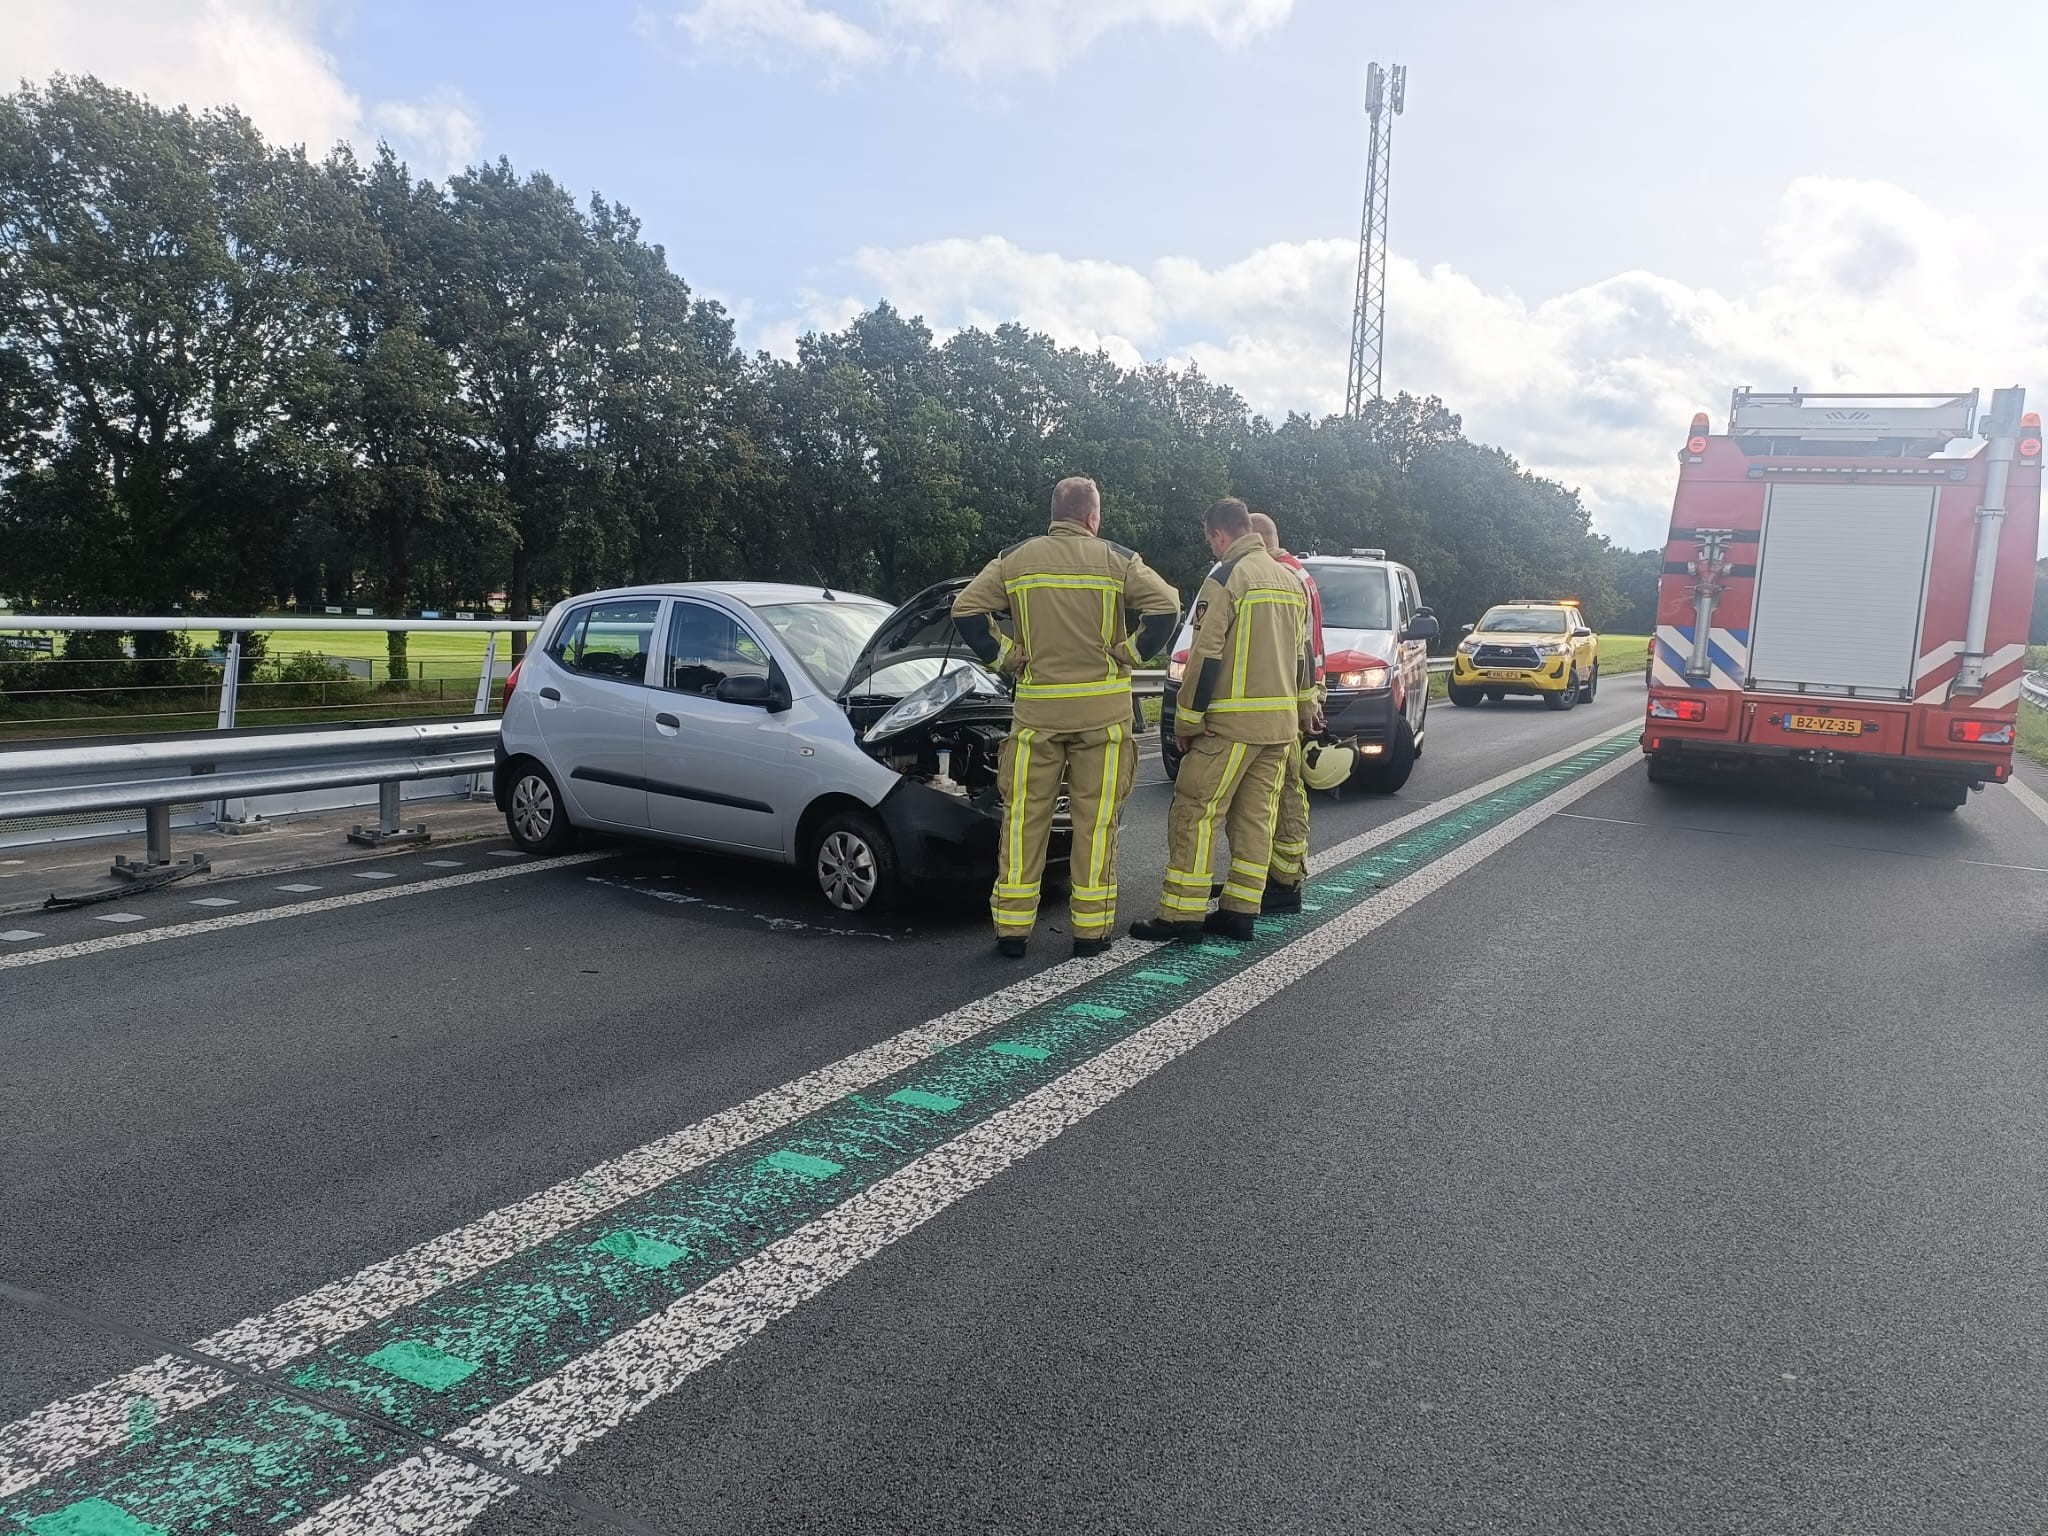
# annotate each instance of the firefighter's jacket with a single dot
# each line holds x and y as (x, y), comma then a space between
(1251, 669)
(1071, 599)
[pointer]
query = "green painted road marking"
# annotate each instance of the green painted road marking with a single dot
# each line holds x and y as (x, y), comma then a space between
(1018, 1049)
(91, 1517)
(422, 1365)
(251, 1460)
(916, 1098)
(638, 1248)
(803, 1164)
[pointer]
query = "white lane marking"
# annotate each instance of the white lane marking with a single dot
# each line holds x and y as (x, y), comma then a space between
(534, 1432)
(119, 917)
(19, 935)
(228, 920)
(298, 890)
(68, 1431)
(373, 874)
(2024, 793)
(215, 901)
(506, 853)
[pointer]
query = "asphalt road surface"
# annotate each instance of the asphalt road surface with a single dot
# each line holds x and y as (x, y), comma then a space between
(1595, 1156)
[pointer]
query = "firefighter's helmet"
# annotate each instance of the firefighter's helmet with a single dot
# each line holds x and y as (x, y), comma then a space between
(1326, 766)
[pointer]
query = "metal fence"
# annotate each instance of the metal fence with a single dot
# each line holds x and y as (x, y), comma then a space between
(2034, 689)
(188, 694)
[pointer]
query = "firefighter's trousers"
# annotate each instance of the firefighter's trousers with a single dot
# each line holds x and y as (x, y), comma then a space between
(1290, 823)
(1225, 788)
(1098, 767)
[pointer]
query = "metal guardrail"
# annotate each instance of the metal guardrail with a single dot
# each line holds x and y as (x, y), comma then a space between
(2034, 689)
(153, 776)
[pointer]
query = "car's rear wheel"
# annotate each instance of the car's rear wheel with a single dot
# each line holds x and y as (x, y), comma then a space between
(854, 862)
(1465, 698)
(1566, 696)
(534, 813)
(1388, 773)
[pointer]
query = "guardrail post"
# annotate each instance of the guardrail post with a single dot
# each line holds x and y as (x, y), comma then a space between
(232, 816)
(479, 789)
(157, 863)
(389, 829)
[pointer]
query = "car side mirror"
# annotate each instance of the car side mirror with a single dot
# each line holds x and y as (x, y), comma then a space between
(745, 690)
(1464, 629)
(1422, 627)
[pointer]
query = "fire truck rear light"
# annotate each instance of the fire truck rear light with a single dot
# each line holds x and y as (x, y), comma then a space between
(1694, 710)
(1983, 733)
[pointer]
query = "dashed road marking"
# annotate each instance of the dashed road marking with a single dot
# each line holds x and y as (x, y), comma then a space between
(296, 909)
(444, 863)
(19, 935)
(215, 901)
(373, 874)
(119, 917)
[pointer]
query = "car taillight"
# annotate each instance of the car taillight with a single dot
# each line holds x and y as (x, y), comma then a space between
(1983, 733)
(512, 678)
(1694, 710)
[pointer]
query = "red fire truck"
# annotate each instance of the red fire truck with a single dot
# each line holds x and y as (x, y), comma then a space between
(1846, 591)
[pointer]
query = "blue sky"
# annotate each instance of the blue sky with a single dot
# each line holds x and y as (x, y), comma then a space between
(1605, 215)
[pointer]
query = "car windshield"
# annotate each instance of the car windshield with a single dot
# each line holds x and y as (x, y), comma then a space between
(825, 636)
(1523, 621)
(1354, 596)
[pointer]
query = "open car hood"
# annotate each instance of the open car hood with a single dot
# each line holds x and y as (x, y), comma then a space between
(922, 628)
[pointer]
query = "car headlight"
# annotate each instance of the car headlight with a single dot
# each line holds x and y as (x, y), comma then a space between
(1554, 648)
(1365, 677)
(1467, 647)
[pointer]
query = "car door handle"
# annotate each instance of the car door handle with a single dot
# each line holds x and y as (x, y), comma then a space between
(668, 722)
(553, 696)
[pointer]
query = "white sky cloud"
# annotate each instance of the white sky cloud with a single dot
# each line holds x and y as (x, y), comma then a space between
(774, 30)
(972, 36)
(1864, 286)
(262, 56)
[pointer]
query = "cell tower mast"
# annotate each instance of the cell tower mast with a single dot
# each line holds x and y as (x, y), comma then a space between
(1386, 92)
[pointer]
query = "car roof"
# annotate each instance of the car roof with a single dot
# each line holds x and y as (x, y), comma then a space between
(754, 594)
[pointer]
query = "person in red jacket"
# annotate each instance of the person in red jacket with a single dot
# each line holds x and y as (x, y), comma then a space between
(1290, 820)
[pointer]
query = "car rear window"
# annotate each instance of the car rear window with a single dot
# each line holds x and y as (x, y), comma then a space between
(608, 639)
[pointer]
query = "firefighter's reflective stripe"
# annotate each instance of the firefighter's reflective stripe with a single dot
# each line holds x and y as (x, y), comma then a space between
(1242, 660)
(1085, 583)
(1014, 905)
(1075, 690)
(1250, 706)
(1290, 821)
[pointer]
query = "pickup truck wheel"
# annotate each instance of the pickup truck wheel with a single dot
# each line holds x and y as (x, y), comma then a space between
(534, 814)
(1567, 696)
(1385, 775)
(854, 862)
(1465, 698)
(1592, 685)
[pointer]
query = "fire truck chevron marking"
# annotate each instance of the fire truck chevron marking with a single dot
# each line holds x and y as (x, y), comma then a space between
(1727, 655)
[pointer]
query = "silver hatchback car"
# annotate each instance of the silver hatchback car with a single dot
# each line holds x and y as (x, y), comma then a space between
(793, 724)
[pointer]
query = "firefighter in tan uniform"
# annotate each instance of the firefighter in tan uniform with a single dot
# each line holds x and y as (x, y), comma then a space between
(1248, 694)
(1070, 596)
(1290, 824)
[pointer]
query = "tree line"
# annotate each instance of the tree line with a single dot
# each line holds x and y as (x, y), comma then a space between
(234, 377)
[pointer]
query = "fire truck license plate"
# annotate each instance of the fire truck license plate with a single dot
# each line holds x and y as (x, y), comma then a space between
(1824, 725)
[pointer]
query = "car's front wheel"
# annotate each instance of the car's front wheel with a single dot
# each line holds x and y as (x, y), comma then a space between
(1566, 696)
(854, 862)
(1465, 698)
(534, 813)
(1592, 685)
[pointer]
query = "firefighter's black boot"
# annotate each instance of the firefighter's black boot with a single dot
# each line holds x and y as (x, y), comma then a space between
(1011, 949)
(1229, 925)
(1155, 929)
(1088, 949)
(1280, 898)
